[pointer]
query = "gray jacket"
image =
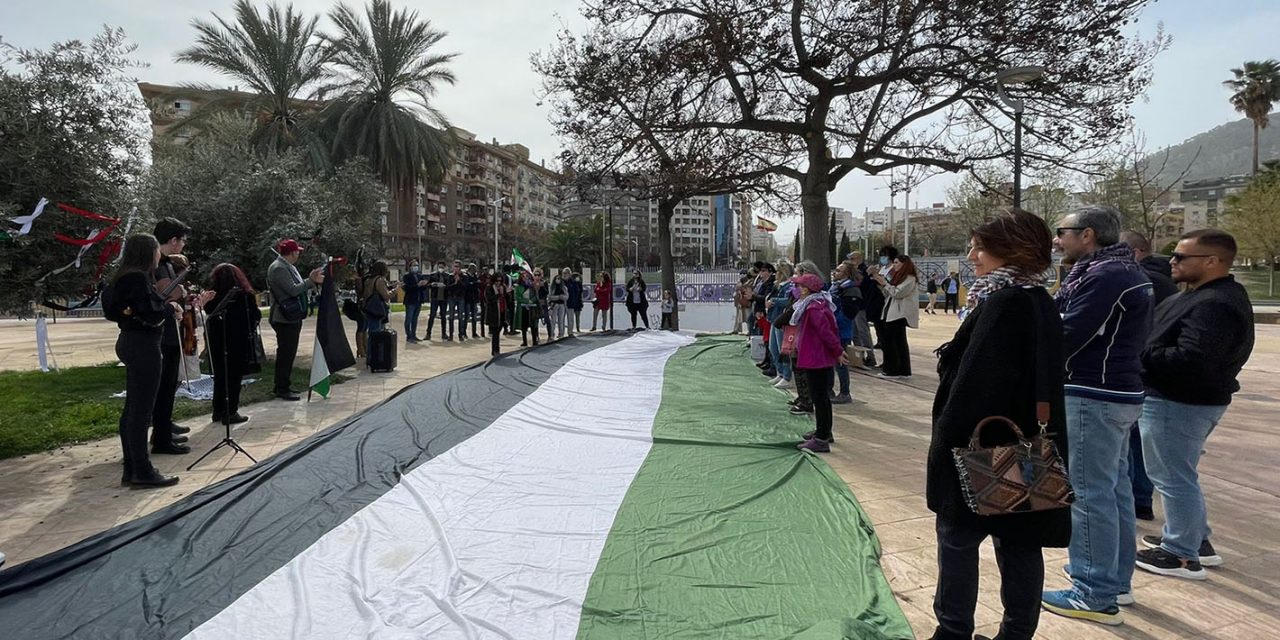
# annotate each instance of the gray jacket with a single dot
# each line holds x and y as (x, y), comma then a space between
(284, 281)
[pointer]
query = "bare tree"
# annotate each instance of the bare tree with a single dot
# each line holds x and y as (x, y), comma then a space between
(616, 113)
(840, 86)
(1136, 183)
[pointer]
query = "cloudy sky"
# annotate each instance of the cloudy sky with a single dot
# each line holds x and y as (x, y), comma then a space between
(496, 93)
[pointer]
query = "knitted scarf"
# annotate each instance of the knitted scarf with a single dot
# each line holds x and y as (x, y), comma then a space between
(798, 308)
(1002, 278)
(1117, 253)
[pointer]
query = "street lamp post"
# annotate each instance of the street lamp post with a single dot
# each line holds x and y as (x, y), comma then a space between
(1009, 77)
(637, 244)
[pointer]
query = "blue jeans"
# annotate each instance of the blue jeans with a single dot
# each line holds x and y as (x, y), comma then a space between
(781, 363)
(1173, 435)
(411, 312)
(454, 312)
(1103, 527)
(1143, 490)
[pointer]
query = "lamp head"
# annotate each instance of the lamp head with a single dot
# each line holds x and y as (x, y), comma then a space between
(1019, 75)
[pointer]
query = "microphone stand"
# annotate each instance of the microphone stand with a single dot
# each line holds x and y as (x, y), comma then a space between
(227, 441)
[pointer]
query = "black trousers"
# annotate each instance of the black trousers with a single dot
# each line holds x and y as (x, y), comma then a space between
(666, 320)
(956, 598)
(286, 351)
(642, 310)
(527, 322)
(897, 354)
(140, 353)
(162, 415)
(495, 334)
(438, 308)
(226, 394)
(802, 383)
(952, 302)
(819, 383)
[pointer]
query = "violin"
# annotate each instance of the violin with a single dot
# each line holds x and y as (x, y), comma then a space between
(187, 328)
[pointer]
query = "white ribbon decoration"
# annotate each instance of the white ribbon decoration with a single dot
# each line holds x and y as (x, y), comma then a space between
(27, 221)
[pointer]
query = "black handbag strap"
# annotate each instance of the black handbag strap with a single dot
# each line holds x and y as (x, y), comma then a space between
(1040, 380)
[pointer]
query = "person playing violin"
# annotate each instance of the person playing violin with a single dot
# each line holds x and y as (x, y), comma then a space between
(166, 436)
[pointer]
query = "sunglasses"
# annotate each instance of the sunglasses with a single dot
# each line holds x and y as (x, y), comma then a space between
(1063, 230)
(1179, 257)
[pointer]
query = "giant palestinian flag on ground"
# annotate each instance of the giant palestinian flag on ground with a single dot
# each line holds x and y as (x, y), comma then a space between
(608, 486)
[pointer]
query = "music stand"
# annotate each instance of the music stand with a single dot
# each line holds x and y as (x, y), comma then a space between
(227, 440)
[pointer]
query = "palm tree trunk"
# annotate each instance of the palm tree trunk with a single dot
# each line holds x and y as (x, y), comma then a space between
(1256, 131)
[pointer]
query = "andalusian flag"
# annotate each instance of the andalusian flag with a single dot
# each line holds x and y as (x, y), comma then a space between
(614, 486)
(765, 224)
(517, 259)
(331, 352)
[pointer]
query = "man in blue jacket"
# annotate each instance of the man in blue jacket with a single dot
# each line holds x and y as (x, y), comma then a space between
(1106, 305)
(1199, 342)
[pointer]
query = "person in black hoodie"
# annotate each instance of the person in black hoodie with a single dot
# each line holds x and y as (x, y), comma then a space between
(1158, 272)
(1005, 360)
(872, 305)
(140, 312)
(1200, 340)
(231, 339)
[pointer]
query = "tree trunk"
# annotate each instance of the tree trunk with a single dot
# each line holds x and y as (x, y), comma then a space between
(813, 201)
(666, 210)
(1256, 131)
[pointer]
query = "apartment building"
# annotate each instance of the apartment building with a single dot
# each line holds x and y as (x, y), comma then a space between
(453, 219)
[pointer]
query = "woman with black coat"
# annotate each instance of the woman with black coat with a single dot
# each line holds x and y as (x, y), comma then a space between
(637, 301)
(231, 331)
(990, 369)
(495, 308)
(139, 310)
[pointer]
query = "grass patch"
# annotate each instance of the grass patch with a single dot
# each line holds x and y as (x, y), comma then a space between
(42, 411)
(1256, 281)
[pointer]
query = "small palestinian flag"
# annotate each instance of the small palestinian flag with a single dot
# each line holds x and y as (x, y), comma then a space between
(517, 259)
(616, 485)
(332, 352)
(765, 224)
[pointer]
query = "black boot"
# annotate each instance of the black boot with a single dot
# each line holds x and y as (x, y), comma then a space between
(152, 478)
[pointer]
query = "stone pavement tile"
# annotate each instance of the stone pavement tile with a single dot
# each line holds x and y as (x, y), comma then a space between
(906, 535)
(890, 510)
(894, 487)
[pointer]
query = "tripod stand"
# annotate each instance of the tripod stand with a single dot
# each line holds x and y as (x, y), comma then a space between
(227, 440)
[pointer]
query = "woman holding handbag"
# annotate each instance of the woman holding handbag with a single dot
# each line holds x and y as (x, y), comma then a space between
(818, 351)
(1005, 360)
(233, 336)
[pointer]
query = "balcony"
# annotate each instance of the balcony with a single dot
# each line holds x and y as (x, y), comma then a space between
(477, 201)
(432, 195)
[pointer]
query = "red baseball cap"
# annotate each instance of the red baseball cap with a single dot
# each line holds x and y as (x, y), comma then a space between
(289, 246)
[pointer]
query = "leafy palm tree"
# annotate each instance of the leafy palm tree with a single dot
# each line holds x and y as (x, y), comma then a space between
(276, 55)
(384, 79)
(1256, 87)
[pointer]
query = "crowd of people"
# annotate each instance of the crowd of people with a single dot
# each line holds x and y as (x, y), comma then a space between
(1123, 372)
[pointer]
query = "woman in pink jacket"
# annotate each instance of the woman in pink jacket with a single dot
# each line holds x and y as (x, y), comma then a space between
(818, 351)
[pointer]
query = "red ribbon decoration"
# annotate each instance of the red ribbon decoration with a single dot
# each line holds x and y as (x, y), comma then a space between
(84, 242)
(88, 214)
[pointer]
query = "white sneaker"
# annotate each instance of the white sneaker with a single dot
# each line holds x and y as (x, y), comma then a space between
(785, 384)
(2, 559)
(775, 380)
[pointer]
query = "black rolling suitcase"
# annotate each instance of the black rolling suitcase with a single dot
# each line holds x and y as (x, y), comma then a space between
(382, 351)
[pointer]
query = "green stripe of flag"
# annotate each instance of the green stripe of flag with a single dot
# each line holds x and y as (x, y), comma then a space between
(728, 531)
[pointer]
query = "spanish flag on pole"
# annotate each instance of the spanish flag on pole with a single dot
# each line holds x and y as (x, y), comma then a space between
(764, 224)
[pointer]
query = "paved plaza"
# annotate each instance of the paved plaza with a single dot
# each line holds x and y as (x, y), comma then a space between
(54, 499)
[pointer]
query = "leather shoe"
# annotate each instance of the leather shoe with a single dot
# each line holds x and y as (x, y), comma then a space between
(178, 429)
(180, 439)
(289, 395)
(236, 418)
(154, 479)
(171, 449)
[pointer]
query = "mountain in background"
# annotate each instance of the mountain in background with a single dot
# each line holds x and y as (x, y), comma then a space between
(1225, 150)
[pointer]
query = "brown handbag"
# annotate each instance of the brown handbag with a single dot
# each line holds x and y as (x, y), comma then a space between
(1023, 477)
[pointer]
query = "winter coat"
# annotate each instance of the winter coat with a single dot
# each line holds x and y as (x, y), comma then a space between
(872, 298)
(413, 294)
(1199, 342)
(1106, 307)
(644, 299)
(495, 306)
(842, 293)
(575, 294)
(240, 319)
(1160, 273)
(604, 296)
(817, 340)
(989, 369)
(902, 300)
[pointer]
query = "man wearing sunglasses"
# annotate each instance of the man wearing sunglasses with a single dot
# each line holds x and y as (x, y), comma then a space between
(1199, 342)
(1106, 305)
